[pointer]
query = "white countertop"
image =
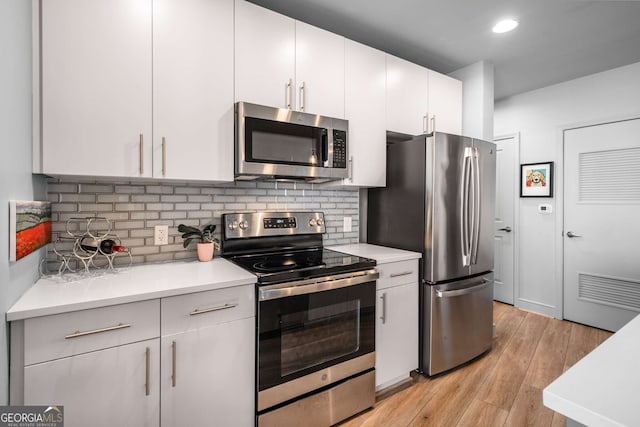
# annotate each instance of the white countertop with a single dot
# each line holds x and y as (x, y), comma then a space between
(71, 292)
(602, 389)
(381, 254)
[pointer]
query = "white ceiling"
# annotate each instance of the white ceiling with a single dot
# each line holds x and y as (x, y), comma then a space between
(557, 40)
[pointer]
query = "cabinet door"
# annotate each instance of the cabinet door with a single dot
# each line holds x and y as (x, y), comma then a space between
(319, 71)
(396, 334)
(406, 96)
(96, 87)
(192, 89)
(264, 56)
(445, 104)
(210, 378)
(102, 388)
(365, 82)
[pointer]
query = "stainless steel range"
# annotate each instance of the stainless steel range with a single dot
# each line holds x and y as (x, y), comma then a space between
(315, 318)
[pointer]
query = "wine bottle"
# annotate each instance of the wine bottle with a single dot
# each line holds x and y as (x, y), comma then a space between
(107, 246)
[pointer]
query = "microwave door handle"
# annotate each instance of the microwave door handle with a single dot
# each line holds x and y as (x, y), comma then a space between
(325, 148)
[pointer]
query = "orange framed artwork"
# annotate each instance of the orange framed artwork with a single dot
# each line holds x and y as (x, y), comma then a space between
(29, 227)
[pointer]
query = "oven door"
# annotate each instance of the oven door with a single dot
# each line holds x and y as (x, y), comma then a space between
(311, 339)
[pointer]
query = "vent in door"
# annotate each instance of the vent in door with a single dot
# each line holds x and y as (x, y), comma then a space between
(609, 291)
(610, 176)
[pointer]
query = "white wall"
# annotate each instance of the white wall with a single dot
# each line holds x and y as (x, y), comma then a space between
(540, 116)
(477, 99)
(16, 181)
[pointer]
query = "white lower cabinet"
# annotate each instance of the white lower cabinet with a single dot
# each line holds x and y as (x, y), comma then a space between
(396, 322)
(118, 386)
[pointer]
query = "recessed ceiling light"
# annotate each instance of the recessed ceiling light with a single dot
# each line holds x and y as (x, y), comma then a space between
(505, 25)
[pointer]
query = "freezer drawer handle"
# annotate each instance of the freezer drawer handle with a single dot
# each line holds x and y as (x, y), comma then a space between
(78, 334)
(404, 273)
(465, 291)
(209, 310)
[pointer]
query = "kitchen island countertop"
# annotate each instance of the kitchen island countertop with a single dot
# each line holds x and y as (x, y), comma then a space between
(71, 292)
(603, 388)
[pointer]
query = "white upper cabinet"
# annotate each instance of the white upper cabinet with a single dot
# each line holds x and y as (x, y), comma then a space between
(320, 79)
(192, 90)
(287, 64)
(96, 87)
(445, 103)
(264, 56)
(138, 88)
(365, 83)
(407, 95)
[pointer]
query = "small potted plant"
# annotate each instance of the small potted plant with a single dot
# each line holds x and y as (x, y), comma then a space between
(204, 237)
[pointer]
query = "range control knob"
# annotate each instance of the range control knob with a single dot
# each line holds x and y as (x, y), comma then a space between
(320, 221)
(233, 225)
(243, 225)
(312, 222)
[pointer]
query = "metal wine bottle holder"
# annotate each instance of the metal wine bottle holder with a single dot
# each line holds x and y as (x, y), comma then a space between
(85, 236)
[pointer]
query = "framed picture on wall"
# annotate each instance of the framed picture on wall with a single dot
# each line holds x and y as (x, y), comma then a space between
(536, 180)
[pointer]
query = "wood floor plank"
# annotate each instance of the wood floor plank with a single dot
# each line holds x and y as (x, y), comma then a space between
(582, 341)
(502, 386)
(528, 409)
(499, 309)
(480, 413)
(548, 361)
(558, 420)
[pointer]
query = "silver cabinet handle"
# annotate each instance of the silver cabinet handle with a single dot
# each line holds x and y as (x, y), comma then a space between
(173, 364)
(147, 372)
(141, 154)
(404, 273)
(433, 123)
(289, 94)
(571, 234)
(507, 229)
(164, 156)
(303, 89)
(209, 310)
(424, 123)
(465, 291)
(384, 308)
(78, 334)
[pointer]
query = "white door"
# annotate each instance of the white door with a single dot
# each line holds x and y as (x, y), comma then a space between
(506, 197)
(192, 90)
(118, 386)
(601, 228)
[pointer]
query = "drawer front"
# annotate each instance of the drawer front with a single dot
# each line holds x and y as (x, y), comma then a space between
(61, 335)
(202, 309)
(397, 273)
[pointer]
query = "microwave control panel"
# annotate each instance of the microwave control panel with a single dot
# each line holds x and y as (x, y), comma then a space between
(339, 149)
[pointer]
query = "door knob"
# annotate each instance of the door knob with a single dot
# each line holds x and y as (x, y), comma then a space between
(571, 234)
(507, 229)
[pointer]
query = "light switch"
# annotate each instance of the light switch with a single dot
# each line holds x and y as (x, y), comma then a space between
(346, 224)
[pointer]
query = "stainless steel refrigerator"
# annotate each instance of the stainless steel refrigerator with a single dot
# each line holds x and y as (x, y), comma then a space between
(439, 200)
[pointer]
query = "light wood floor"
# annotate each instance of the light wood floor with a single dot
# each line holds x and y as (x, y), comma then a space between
(503, 388)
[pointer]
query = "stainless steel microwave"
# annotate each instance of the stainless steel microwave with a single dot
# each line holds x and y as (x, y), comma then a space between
(277, 143)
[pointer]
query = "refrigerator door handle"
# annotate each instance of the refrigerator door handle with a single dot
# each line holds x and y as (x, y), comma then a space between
(465, 220)
(464, 291)
(477, 206)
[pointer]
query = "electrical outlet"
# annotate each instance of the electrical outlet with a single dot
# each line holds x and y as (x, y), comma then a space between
(161, 235)
(346, 224)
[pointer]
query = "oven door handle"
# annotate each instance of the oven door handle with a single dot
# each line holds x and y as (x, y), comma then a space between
(308, 286)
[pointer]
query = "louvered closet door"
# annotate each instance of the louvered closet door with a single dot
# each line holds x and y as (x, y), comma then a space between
(602, 212)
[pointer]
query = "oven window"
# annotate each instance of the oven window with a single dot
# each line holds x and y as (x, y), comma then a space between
(321, 334)
(269, 141)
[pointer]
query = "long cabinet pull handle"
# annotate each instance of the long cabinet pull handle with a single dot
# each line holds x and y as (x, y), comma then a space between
(303, 90)
(424, 124)
(141, 154)
(289, 95)
(383, 297)
(433, 123)
(164, 156)
(147, 387)
(173, 364)
(404, 273)
(209, 310)
(78, 334)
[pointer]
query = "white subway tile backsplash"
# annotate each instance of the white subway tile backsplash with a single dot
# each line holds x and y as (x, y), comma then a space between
(135, 208)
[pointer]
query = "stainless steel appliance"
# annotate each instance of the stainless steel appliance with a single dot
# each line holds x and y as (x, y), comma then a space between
(315, 318)
(439, 200)
(277, 143)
